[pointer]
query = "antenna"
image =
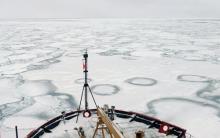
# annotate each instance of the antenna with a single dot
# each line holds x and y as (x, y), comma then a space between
(16, 131)
(85, 89)
(85, 65)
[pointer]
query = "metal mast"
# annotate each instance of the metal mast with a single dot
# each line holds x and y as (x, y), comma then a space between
(85, 89)
(85, 65)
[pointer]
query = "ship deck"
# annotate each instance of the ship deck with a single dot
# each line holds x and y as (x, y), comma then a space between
(65, 126)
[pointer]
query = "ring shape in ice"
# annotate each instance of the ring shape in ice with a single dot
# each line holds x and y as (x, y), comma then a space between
(105, 89)
(141, 81)
(193, 78)
(71, 54)
(81, 80)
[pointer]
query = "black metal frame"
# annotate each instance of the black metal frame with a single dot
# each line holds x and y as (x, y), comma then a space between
(86, 86)
(141, 118)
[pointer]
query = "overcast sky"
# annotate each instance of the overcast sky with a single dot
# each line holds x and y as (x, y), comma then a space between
(109, 9)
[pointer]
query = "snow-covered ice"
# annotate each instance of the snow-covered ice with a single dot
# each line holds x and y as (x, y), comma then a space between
(165, 68)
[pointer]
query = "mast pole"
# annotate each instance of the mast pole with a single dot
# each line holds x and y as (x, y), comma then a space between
(85, 89)
(85, 66)
(16, 131)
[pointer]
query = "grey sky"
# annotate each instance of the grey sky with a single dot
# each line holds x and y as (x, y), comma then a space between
(109, 8)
